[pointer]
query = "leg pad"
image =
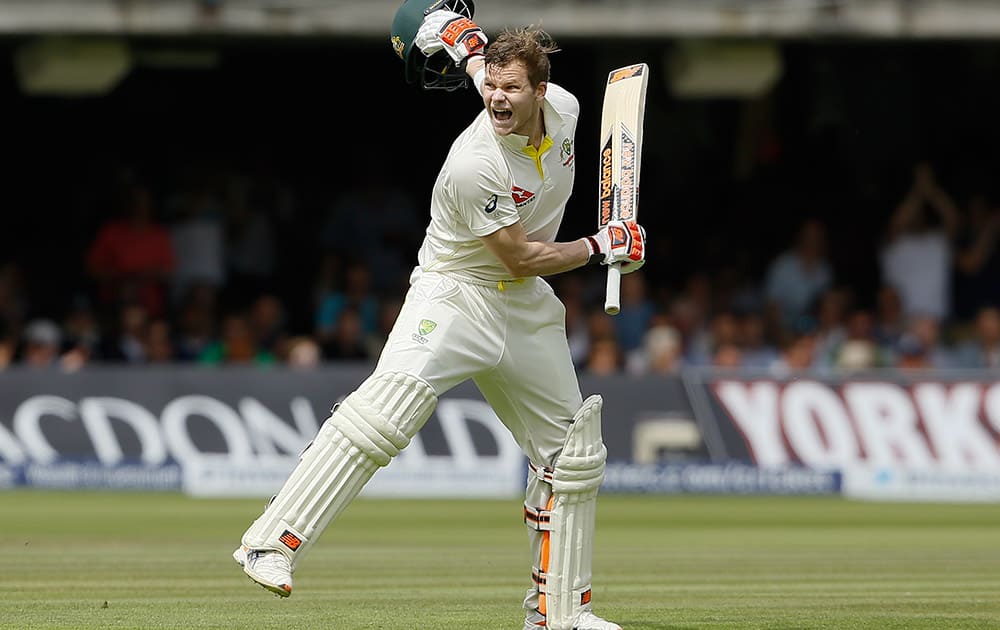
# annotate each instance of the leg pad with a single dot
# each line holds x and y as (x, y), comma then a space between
(562, 531)
(363, 433)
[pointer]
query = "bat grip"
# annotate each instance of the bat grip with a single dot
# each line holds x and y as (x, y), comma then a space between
(612, 302)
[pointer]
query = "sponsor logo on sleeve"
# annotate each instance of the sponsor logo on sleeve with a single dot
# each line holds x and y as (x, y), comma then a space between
(491, 205)
(521, 196)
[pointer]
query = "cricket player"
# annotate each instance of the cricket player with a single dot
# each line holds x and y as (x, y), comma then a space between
(478, 309)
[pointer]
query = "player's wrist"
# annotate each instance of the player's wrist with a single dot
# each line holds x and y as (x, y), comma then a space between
(476, 69)
(594, 254)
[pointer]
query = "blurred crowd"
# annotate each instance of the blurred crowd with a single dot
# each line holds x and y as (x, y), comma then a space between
(203, 273)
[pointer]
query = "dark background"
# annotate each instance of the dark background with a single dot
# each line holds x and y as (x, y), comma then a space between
(842, 130)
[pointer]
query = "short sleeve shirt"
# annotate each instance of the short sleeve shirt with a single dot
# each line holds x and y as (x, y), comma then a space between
(489, 182)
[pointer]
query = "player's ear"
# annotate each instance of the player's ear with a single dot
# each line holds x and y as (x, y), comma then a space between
(540, 90)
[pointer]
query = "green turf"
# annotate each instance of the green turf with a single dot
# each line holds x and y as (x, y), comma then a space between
(121, 560)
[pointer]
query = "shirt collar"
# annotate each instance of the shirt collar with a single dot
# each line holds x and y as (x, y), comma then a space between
(553, 125)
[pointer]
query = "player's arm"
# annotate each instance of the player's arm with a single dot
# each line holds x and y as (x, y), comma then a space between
(474, 65)
(617, 242)
(944, 205)
(524, 258)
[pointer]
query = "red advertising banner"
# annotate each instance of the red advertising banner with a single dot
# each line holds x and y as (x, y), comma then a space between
(927, 435)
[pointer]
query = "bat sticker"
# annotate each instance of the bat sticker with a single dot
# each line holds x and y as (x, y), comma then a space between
(626, 73)
(607, 196)
(626, 205)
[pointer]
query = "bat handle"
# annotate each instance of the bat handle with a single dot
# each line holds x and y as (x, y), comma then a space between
(612, 301)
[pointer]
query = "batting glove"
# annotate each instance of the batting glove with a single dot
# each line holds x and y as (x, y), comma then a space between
(459, 36)
(619, 242)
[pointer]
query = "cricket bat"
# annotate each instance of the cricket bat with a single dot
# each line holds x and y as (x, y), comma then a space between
(621, 152)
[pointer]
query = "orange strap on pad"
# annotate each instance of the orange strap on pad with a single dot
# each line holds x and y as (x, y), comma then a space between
(562, 576)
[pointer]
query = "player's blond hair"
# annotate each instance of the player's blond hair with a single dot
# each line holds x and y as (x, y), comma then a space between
(530, 45)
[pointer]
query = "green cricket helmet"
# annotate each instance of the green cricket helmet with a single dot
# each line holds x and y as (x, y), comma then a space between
(437, 71)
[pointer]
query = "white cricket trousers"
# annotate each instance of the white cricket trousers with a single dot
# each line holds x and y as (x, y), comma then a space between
(510, 338)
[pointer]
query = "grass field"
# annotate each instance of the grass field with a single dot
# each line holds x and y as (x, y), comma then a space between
(121, 560)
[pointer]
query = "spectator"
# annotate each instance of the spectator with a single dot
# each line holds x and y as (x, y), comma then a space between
(128, 342)
(82, 331)
(855, 355)
(698, 289)
(131, 258)
(632, 322)
(755, 349)
(268, 319)
(250, 249)
(977, 259)
(355, 292)
(660, 353)
(599, 326)
(158, 345)
(387, 315)
(571, 289)
(604, 357)
(42, 341)
(915, 259)
(911, 354)
(859, 349)
(831, 329)
(889, 321)
(798, 350)
(8, 345)
(920, 346)
(195, 323)
(197, 234)
(348, 339)
(303, 353)
(983, 350)
(722, 330)
(372, 215)
(689, 319)
(742, 293)
(236, 345)
(576, 329)
(796, 278)
(328, 279)
(727, 355)
(8, 348)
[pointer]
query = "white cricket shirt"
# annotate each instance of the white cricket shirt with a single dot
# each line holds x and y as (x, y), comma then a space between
(489, 182)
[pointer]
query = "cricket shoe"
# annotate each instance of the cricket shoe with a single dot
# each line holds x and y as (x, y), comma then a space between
(266, 567)
(586, 621)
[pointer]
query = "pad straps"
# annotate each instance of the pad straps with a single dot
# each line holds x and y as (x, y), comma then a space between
(562, 576)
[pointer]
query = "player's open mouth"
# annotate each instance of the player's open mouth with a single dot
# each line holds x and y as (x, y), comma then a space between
(502, 114)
